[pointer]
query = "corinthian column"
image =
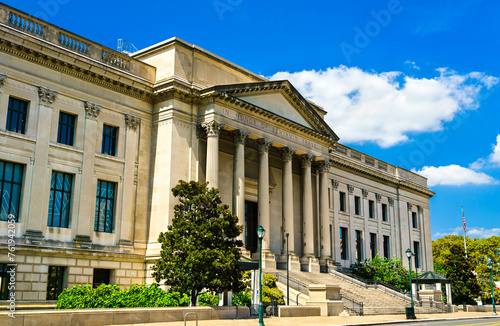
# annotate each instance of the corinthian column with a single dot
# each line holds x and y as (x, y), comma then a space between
(213, 129)
(324, 215)
(263, 189)
(239, 178)
(287, 205)
(307, 213)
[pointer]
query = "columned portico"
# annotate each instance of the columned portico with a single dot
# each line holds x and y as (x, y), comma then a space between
(324, 214)
(308, 259)
(213, 129)
(240, 137)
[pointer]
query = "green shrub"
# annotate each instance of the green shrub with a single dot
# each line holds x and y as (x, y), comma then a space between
(270, 291)
(242, 298)
(110, 296)
(208, 299)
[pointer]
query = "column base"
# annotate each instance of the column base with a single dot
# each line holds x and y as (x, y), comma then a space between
(244, 252)
(268, 259)
(293, 263)
(309, 264)
(83, 241)
(34, 236)
(325, 264)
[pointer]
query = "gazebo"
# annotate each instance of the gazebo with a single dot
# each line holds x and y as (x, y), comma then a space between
(430, 286)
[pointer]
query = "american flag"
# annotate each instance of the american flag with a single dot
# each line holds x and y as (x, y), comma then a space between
(463, 218)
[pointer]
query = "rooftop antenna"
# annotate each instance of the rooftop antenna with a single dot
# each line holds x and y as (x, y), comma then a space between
(126, 47)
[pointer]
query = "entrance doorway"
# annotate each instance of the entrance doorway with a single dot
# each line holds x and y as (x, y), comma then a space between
(251, 218)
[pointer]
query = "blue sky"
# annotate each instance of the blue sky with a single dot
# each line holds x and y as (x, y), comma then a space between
(413, 83)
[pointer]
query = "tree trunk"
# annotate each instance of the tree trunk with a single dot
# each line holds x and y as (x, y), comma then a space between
(194, 295)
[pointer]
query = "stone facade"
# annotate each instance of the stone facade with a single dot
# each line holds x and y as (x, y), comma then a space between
(90, 202)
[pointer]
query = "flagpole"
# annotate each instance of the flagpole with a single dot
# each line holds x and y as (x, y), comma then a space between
(465, 243)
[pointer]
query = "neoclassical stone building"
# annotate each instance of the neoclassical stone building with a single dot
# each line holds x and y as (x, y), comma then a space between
(93, 140)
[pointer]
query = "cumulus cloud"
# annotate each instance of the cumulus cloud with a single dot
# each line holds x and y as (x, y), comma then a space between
(492, 160)
(473, 232)
(454, 175)
(385, 108)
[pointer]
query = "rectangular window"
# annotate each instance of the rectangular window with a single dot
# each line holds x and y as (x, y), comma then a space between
(357, 205)
(387, 246)
(373, 245)
(414, 220)
(60, 199)
(4, 282)
(416, 251)
(55, 282)
(342, 201)
(101, 276)
(11, 176)
(104, 206)
(16, 115)
(384, 212)
(109, 140)
(343, 244)
(371, 208)
(359, 246)
(66, 129)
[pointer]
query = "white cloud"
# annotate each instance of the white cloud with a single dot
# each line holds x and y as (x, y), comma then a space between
(412, 64)
(493, 160)
(454, 175)
(386, 107)
(473, 232)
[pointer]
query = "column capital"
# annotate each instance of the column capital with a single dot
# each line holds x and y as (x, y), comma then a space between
(324, 166)
(364, 192)
(92, 109)
(391, 201)
(47, 95)
(378, 196)
(264, 145)
(212, 128)
(287, 153)
(240, 136)
(335, 183)
(350, 188)
(3, 78)
(420, 209)
(410, 206)
(132, 122)
(307, 159)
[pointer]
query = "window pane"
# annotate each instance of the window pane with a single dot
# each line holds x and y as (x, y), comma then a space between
(9, 172)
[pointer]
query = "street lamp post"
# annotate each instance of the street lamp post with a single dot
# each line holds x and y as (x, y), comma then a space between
(410, 315)
(260, 234)
(490, 266)
(287, 273)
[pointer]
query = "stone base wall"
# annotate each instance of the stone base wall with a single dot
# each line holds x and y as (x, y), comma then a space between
(32, 271)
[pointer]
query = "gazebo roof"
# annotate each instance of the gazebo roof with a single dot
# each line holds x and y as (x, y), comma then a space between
(430, 278)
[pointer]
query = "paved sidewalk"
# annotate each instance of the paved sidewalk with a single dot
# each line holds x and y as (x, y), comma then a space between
(425, 319)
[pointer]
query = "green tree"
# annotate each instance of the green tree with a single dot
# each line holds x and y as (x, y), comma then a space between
(460, 271)
(200, 248)
(390, 271)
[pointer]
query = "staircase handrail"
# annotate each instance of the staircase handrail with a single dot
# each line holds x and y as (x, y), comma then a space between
(390, 289)
(357, 307)
(294, 284)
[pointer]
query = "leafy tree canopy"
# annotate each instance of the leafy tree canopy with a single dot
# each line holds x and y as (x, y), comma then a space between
(478, 252)
(200, 248)
(382, 269)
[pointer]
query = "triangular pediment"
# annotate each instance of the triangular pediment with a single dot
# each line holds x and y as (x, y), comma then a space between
(279, 98)
(277, 103)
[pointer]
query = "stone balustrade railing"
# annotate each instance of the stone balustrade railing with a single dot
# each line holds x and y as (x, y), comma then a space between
(41, 29)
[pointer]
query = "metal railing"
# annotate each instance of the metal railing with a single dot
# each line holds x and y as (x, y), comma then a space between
(296, 285)
(352, 305)
(190, 313)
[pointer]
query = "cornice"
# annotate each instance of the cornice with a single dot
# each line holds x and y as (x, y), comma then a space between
(353, 166)
(223, 98)
(74, 68)
(290, 93)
